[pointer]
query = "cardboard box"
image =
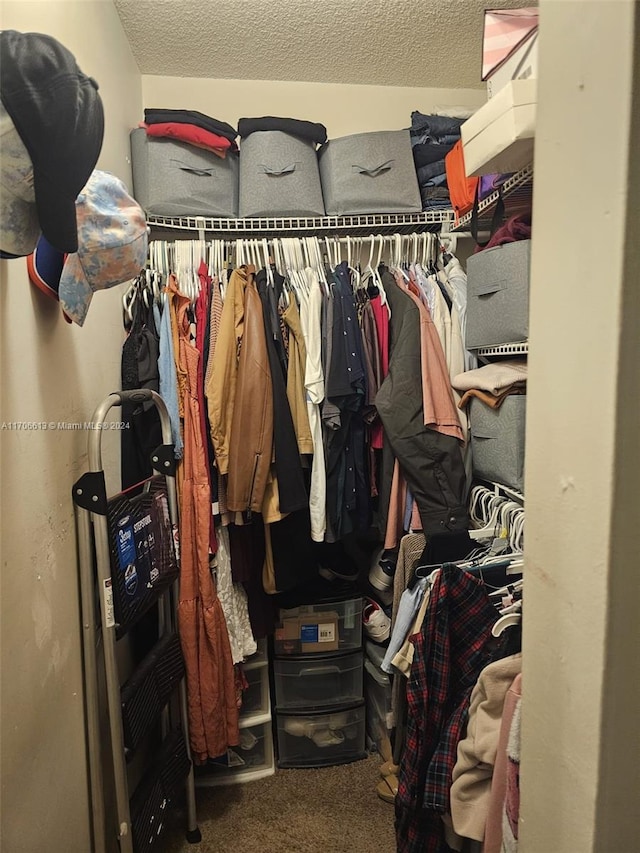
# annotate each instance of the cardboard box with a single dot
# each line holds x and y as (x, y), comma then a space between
(308, 633)
(522, 64)
(287, 636)
(318, 632)
(499, 138)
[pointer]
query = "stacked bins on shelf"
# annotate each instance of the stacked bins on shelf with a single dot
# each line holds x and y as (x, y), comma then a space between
(318, 677)
(253, 757)
(497, 325)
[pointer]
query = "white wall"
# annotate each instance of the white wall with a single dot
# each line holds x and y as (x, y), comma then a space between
(343, 109)
(53, 372)
(580, 779)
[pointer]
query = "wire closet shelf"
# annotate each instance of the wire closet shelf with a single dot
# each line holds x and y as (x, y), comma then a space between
(516, 193)
(521, 348)
(357, 226)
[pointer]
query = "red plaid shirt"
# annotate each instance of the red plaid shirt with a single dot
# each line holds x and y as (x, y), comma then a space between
(450, 653)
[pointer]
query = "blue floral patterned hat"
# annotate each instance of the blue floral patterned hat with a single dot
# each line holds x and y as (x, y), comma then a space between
(112, 244)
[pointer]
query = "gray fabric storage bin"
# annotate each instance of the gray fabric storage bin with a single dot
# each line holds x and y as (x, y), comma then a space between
(279, 176)
(497, 441)
(498, 295)
(172, 178)
(369, 173)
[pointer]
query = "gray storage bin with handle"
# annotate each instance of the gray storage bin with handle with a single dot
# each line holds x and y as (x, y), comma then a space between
(172, 178)
(369, 173)
(498, 295)
(497, 441)
(279, 176)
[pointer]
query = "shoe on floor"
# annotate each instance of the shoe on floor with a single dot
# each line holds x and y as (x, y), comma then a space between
(375, 621)
(382, 570)
(384, 792)
(391, 782)
(299, 726)
(389, 769)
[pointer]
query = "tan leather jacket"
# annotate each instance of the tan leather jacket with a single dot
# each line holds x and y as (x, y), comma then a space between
(240, 396)
(221, 388)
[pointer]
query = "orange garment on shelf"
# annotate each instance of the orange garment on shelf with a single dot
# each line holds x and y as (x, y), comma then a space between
(213, 713)
(493, 400)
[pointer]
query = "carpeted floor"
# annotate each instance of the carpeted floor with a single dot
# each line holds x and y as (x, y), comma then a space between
(329, 810)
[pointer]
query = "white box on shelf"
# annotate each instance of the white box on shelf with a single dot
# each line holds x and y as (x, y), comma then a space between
(521, 65)
(499, 138)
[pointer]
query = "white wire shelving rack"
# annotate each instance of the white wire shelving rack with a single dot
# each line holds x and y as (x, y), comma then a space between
(516, 194)
(521, 348)
(357, 226)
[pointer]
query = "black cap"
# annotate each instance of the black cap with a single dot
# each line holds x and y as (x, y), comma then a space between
(58, 113)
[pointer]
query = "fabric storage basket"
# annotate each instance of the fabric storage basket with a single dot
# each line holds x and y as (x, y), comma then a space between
(369, 173)
(279, 176)
(498, 295)
(497, 441)
(172, 178)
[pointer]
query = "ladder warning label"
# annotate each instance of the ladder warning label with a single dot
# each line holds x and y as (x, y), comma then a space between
(110, 620)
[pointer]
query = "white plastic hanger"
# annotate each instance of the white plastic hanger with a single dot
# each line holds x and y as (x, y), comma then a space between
(505, 622)
(489, 530)
(128, 300)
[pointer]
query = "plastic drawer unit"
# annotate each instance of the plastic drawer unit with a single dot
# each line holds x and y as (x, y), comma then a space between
(318, 682)
(255, 698)
(251, 759)
(317, 740)
(377, 691)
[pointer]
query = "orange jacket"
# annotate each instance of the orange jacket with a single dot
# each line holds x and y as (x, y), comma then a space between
(240, 396)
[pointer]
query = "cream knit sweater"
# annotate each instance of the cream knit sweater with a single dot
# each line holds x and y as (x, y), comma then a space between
(471, 788)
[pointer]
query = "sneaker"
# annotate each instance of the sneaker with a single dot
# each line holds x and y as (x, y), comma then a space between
(382, 571)
(348, 573)
(376, 622)
(327, 737)
(335, 563)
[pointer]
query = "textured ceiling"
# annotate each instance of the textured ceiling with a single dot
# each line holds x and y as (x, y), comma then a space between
(431, 43)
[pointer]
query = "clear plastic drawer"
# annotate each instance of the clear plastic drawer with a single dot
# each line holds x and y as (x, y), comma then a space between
(317, 629)
(310, 683)
(316, 740)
